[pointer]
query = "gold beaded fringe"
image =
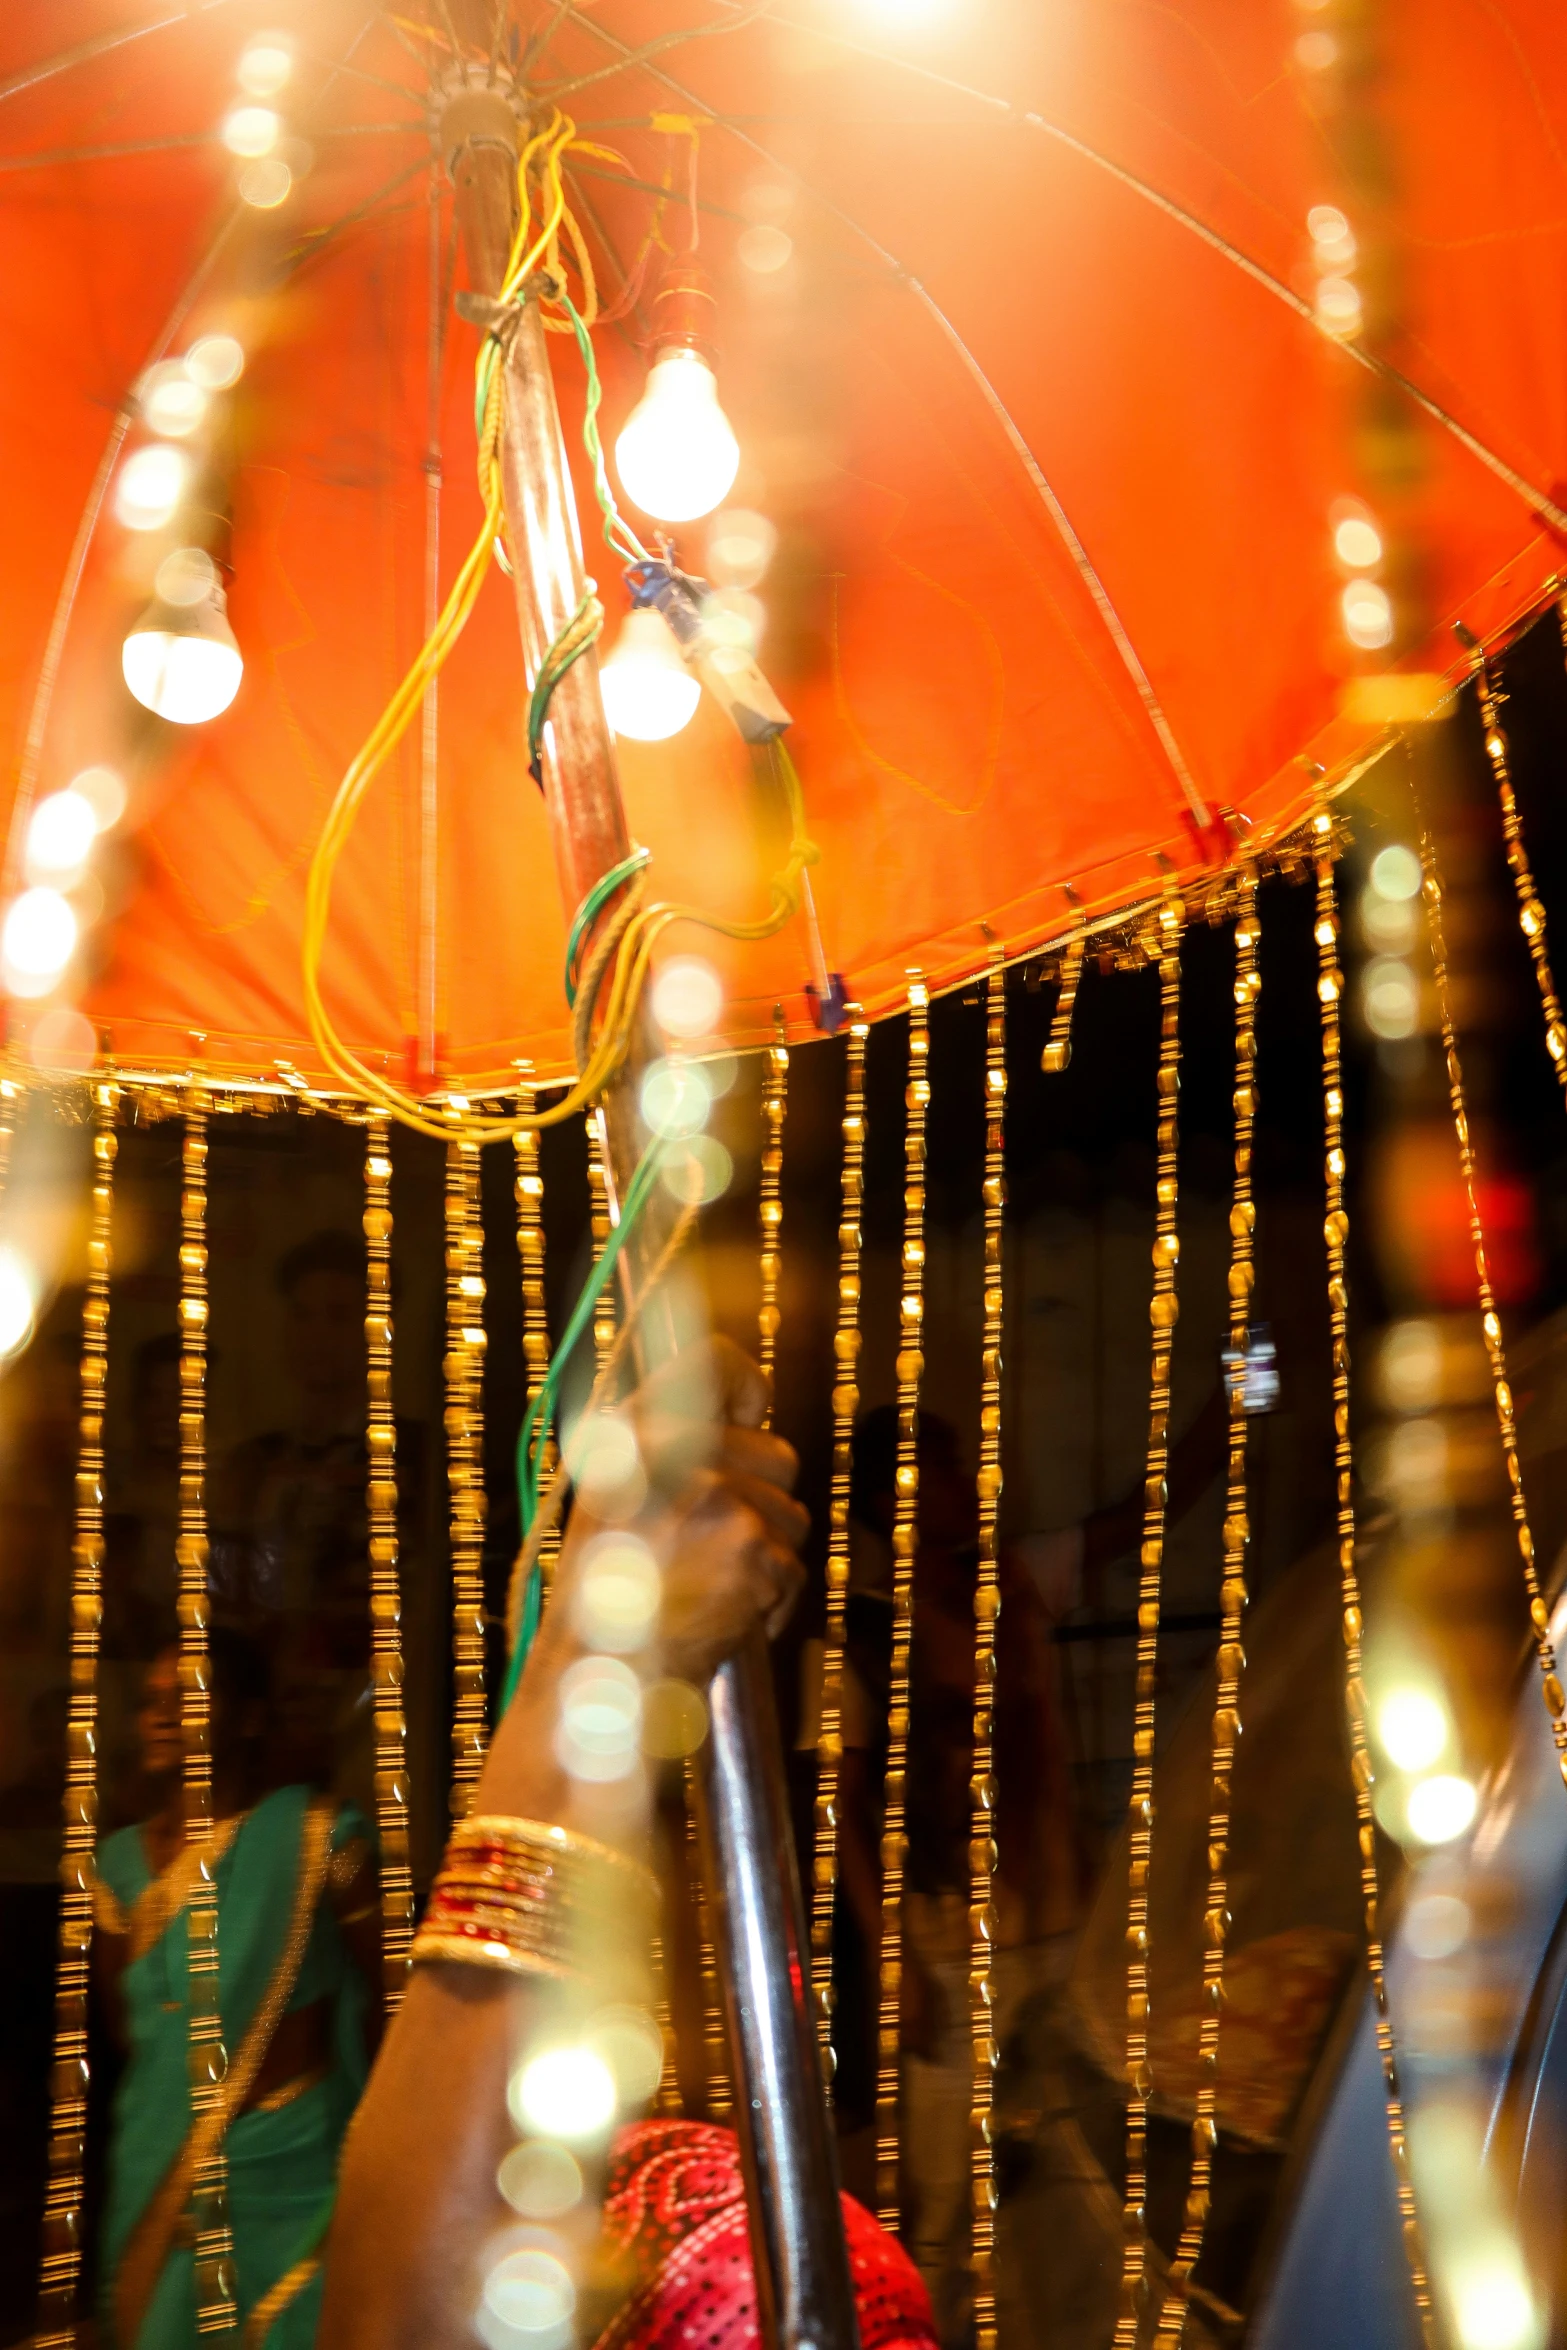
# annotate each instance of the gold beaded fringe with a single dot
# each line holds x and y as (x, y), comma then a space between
(769, 1211)
(845, 1406)
(1490, 1319)
(1058, 1052)
(1232, 1601)
(529, 1189)
(1531, 910)
(465, 1464)
(598, 1197)
(1330, 988)
(1162, 1313)
(215, 2290)
(386, 1643)
(715, 2050)
(905, 1541)
(60, 2271)
(987, 1610)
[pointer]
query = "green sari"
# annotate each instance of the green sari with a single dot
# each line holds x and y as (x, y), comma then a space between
(279, 1949)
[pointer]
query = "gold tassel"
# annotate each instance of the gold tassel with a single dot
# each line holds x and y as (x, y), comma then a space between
(386, 1614)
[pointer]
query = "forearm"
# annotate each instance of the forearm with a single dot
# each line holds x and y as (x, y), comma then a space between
(418, 2203)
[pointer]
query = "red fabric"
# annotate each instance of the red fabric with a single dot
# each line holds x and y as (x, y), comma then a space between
(675, 2209)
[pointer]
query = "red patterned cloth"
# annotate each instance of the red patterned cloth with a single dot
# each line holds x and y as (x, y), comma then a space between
(675, 2213)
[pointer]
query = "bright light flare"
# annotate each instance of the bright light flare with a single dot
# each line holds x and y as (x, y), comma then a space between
(677, 455)
(216, 362)
(1411, 1366)
(181, 660)
(676, 1099)
(649, 693)
(64, 1043)
(1339, 307)
(37, 941)
(18, 1301)
(606, 1465)
(265, 184)
(1441, 1808)
(531, 2293)
(1368, 615)
(151, 484)
(566, 2093)
(1493, 2308)
(632, 2046)
(171, 402)
(60, 835)
(540, 2180)
(1413, 1727)
(688, 997)
(765, 248)
(1357, 542)
(740, 545)
(1390, 997)
(599, 1735)
(1395, 872)
(616, 1602)
(1437, 1925)
(252, 131)
(265, 65)
(697, 1171)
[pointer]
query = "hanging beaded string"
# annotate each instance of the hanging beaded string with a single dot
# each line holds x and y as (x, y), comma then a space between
(598, 1196)
(905, 1541)
(769, 1211)
(215, 2302)
(1330, 989)
(987, 1610)
(60, 2272)
(386, 1607)
(535, 1314)
(1490, 1319)
(845, 1407)
(465, 1464)
(1162, 1313)
(1531, 910)
(1232, 1601)
(1058, 1052)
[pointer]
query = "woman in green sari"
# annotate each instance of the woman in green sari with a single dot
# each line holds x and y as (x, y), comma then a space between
(298, 1969)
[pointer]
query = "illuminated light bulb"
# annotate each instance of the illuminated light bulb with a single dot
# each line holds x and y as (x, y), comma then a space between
(1357, 542)
(1437, 1925)
(252, 130)
(600, 1722)
(181, 660)
(649, 693)
(1493, 2308)
(1412, 1726)
(37, 941)
(216, 362)
(265, 185)
(265, 65)
(18, 1301)
(740, 545)
(677, 455)
(564, 2093)
(1395, 872)
(540, 2180)
(631, 2044)
(697, 1170)
(688, 997)
(615, 1606)
(531, 2292)
(676, 1099)
(765, 248)
(1339, 306)
(171, 402)
(60, 834)
(1441, 1808)
(151, 485)
(1368, 615)
(606, 1465)
(674, 1720)
(64, 1043)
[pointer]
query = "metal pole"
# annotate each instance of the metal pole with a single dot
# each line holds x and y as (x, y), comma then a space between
(805, 2299)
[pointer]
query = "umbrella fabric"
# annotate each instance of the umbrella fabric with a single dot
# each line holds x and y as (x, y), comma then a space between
(1035, 402)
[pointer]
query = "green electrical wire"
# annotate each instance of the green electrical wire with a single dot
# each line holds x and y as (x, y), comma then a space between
(589, 911)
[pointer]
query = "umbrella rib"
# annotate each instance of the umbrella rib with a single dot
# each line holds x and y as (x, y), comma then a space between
(1081, 559)
(86, 51)
(1537, 500)
(51, 158)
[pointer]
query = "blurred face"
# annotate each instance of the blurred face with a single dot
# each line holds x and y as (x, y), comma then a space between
(158, 1410)
(158, 1723)
(324, 1326)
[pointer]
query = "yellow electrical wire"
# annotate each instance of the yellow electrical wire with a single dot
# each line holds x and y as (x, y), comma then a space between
(637, 926)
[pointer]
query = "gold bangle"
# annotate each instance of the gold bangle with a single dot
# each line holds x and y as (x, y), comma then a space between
(515, 1895)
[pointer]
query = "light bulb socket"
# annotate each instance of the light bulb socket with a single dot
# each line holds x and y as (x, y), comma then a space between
(685, 312)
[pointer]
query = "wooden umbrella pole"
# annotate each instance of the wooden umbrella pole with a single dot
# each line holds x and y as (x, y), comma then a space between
(805, 2298)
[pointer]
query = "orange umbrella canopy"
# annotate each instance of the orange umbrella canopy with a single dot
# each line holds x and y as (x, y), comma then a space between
(1032, 329)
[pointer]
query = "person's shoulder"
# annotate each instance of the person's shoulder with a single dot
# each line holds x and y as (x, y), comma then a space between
(121, 1863)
